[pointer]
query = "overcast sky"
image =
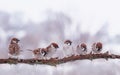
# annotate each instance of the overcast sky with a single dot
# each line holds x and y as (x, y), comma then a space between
(91, 14)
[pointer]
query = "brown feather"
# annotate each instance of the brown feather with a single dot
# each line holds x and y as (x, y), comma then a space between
(14, 48)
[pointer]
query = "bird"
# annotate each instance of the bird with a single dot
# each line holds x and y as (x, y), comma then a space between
(97, 47)
(14, 48)
(50, 50)
(81, 49)
(67, 48)
(36, 53)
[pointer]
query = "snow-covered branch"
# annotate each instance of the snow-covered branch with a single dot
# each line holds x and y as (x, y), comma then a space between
(55, 61)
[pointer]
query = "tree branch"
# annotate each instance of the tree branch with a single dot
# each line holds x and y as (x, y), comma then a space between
(55, 61)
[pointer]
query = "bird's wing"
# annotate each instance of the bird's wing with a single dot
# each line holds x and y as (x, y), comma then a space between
(11, 49)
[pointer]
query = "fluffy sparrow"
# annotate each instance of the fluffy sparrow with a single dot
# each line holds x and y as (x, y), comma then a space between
(97, 47)
(14, 48)
(81, 49)
(67, 48)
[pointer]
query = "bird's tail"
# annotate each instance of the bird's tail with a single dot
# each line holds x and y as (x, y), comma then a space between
(26, 50)
(29, 50)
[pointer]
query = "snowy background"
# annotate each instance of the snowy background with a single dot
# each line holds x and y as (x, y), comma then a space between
(37, 23)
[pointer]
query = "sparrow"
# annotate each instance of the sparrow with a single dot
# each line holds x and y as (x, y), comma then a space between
(81, 49)
(50, 50)
(14, 48)
(67, 48)
(97, 47)
(36, 53)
